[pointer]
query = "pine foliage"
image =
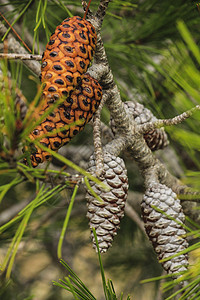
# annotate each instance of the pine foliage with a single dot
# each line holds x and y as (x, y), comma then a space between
(153, 51)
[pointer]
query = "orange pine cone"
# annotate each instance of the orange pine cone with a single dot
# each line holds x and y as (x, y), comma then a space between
(67, 56)
(77, 110)
(65, 61)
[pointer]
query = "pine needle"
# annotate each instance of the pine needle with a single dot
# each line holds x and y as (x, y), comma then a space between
(65, 223)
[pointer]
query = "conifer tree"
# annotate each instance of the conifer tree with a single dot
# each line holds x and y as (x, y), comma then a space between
(125, 74)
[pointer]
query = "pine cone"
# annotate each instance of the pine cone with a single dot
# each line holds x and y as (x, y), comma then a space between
(105, 217)
(20, 100)
(165, 229)
(79, 106)
(20, 104)
(67, 57)
(65, 61)
(156, 139)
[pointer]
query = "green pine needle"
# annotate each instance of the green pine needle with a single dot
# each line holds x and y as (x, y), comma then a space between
(12, 251)
(65, 223)
(47, 194)
(72, 165)
(74, 285)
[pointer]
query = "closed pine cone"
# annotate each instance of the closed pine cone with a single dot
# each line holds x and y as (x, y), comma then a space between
(20, 104)
(164, 228)
(19, 100)
(105, 216)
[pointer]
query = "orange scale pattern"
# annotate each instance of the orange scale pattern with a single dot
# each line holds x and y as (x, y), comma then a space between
(68, 54)
(67, 120)
(63, 74)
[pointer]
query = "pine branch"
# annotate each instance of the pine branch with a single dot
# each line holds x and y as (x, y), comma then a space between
(27, 36)
(168, 122)
(97, 141)
(128, 134)
(131, 213)
(14, 45)
(101, 11)
(21, 56)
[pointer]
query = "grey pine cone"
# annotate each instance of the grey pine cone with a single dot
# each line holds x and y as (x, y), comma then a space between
(156, 139)
(20, 100)
(20, 104)
(164, 229)
(105, 217)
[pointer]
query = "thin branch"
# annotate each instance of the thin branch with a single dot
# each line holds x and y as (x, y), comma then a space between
(87, 8)
(134, 216)
(15, 47)
(101, 11)
(100, 14)
(15, 32)
(102, 72)
(21, 56)
(58, 179)
(144, 128)
(26, 34)
(97, 141)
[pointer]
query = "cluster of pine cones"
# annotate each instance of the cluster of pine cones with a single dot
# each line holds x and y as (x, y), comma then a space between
(161, 209)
